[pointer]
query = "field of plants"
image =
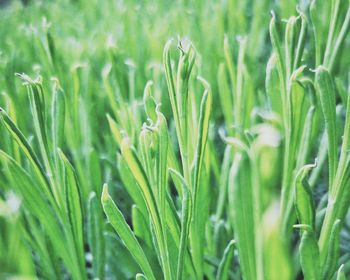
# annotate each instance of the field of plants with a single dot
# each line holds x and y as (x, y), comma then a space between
(175, 139)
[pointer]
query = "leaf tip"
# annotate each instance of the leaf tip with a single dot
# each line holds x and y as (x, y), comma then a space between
(105, 194)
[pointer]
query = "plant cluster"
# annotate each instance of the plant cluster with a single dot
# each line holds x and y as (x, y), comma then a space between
(223, 154)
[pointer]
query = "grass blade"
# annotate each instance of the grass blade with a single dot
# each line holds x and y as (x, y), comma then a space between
(243, 216)
(141, 178)
(95, 236)
(26, 148)
(224, 266)
(115, 217)
(309, 255)
(74, 207)
(185, 224)
(58, 116)
(304, 202)
(326, 90)
(329, 262)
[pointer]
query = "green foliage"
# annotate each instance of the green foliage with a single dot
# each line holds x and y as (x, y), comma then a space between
(205, 142)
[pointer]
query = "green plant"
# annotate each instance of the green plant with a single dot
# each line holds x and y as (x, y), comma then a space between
(124, 157)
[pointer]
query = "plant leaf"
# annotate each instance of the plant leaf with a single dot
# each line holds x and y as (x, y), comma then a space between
(225, 262)
(95, 236)
(309, 255)
(74, 206)
(331, 262)
(326, 90)
(115, 217)
(304, 203)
